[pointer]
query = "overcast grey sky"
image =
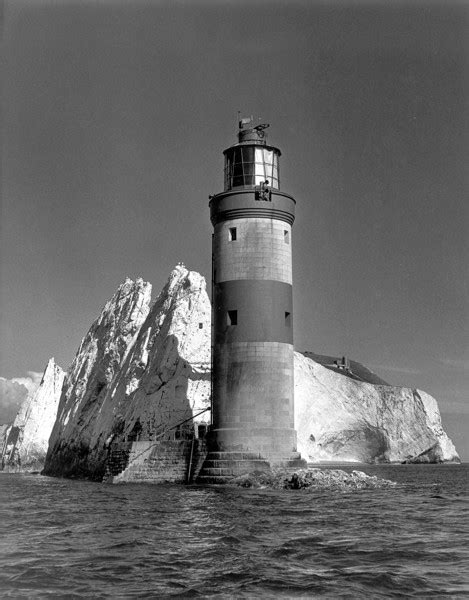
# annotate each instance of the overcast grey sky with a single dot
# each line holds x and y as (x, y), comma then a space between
(115, 118)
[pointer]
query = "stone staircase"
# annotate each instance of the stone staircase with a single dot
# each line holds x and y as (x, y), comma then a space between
(221, 467)
(164, 461)
(161, 461)
(117, 460)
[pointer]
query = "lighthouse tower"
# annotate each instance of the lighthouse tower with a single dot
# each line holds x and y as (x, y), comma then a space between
(252, 339)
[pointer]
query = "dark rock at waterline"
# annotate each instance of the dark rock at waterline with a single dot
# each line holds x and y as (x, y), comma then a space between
(311, 479)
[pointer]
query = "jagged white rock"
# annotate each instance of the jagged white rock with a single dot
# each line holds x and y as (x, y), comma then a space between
(26, 441)
(4, 431)
(144, 374)
(166, 379)
(339, 419)
(92, 374)
(160, 379)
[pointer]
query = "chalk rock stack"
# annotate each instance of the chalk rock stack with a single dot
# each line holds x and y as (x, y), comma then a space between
(4, 432)
(93, 375)
(340, 419)
(141, 377)
(25, 442)
(137, 374)
(166, 379)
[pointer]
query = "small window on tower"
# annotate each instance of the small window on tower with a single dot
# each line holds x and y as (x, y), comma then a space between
(232, 317)
(232, 234)
(286, 236)
(201, 325)
(287, 319)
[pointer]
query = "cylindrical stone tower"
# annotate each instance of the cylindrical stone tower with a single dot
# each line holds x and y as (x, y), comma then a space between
(252, 340)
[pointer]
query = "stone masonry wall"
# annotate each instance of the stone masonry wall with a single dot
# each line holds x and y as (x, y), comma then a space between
(262, 250)
(270, 383)
(156, 462)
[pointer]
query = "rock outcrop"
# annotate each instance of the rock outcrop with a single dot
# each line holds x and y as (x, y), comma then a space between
(26, 440)
(341, 419)
(139, 387)
(93, 376)
(139, 374)
(4, 431)
(312, 480)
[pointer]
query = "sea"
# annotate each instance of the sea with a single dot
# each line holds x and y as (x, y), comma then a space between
(76, 539)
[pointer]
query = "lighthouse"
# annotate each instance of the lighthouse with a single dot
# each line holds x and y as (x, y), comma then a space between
(252, 336)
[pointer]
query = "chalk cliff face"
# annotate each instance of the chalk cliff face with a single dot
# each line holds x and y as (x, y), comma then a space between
(93, 374)
(142, 377)
(4, 431)
(139, 374)
(339, 419)
(26, 441)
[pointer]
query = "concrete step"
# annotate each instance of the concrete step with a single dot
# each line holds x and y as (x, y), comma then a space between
(217, 464)
(234, 455)
(220, 467)
(250, 456)
(298, 463)
(231, 471)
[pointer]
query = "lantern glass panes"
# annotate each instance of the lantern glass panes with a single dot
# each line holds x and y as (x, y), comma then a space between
(248, 166)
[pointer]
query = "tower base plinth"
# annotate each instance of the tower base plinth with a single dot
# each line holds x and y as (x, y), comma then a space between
(221, 467)
(269, 442)
(235, 452)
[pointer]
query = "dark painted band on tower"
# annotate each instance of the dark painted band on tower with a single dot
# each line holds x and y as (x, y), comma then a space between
(264, 311)
(241, 204)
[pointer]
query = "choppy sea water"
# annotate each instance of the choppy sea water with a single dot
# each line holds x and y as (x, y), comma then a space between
(75, 539)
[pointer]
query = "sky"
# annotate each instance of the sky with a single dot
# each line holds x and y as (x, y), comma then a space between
(115, 118)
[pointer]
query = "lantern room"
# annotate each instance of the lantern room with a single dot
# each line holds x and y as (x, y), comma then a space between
(251, 162)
